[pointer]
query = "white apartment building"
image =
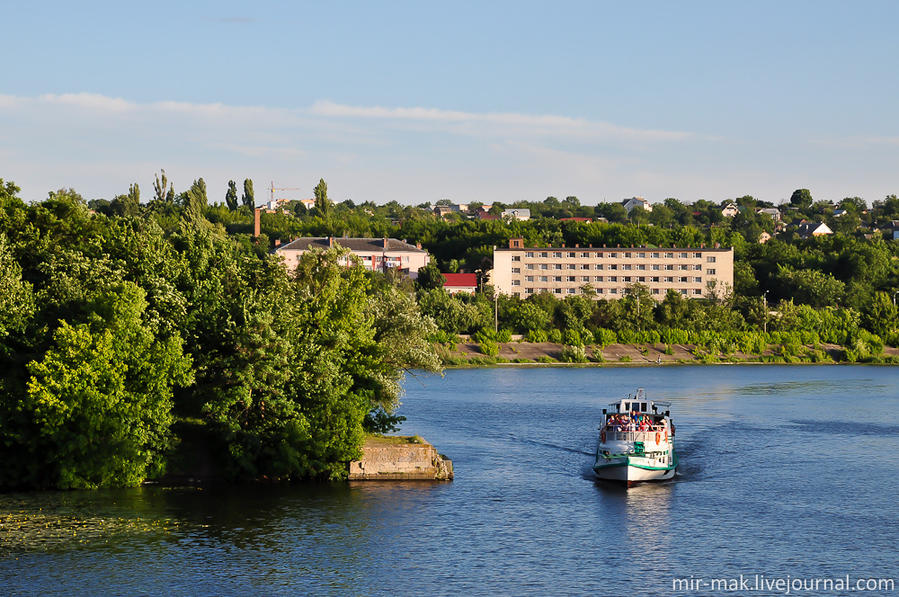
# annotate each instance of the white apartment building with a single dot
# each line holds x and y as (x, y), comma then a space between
(523, 271)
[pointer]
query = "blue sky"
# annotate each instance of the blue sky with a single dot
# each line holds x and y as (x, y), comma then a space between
(472, 101)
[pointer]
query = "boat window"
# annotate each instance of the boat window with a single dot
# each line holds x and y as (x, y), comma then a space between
(643, 407)
(626, 406)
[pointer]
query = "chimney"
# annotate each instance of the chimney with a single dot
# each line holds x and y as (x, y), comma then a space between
(577, 246)
(717, 245)
(385, 242)
(330, 241)
(256, 224)
(418, 245)
(277, 242)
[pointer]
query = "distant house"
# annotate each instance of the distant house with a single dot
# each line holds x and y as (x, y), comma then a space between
(576, 219)
(376, 254)
(516, 214)
(773, 212)
(441, 211)
(839, 212)
(461, 283)
(730, 210)
(484, 215)
(275, 205)
(764, 237)
(630, 204)
(809, 229)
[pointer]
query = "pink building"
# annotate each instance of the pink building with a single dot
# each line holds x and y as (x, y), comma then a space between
(376, 254)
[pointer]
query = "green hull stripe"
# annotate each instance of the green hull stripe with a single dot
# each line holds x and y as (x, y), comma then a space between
(597, 466)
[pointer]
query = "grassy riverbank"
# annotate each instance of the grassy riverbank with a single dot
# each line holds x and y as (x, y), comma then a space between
(462, 355)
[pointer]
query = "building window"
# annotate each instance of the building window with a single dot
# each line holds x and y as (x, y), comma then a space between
(626, 266)
(516, 270)
(641, 255)
(654, 279)
(613, 278)
(611, 255)
(572, 266)
(557, 255)
(572, 290)
(613, 266)
(529, 291)
(557, 266)
(544, 254)
(532, 266)
(613, 291)
(684, 279)
(529, 278)
(585, 255)
(641, 267)
(627, 255)
(516, 257)
(585, 279)
(684, 267)
(627, 278)
(683, 291)
(654, 255)
(656, 266)
(669, 255)
(669, 279)
(517, 295)
(557, 278)
(669, 267)
(683, 255)
(710, 259)
(529, 254)
(697, 291)
(600, 266)
(516, 282)
(599, 291)
(697, 268)
(710, 272)
(641, 279)
(572, 278)
(544, 266)
(572, 255)
(557, 290)
(655, 291)
(585, 266)
(697, 255)
(544, 278)
(698, 280)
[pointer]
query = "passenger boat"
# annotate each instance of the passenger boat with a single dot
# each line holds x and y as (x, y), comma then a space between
(636, 441)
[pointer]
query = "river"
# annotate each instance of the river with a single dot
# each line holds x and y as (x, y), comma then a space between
(786, 471)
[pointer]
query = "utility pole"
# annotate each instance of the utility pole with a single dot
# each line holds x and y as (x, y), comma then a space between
(495, 311)
(765, 301)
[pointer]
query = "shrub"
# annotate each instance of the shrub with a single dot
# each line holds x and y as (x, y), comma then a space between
(572, 337)
(573, 354)
(504, 335)
(489, 348)
(536, 336)
(545, 359)
(604, 337)
(555, 335)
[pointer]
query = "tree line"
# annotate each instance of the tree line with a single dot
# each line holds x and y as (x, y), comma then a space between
(124, 333)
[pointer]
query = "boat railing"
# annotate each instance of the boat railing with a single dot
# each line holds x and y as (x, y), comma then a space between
(633, 436)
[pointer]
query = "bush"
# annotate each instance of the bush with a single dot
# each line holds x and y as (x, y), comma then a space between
(489, 347)
(536, 336)
(573, 354)
(572, 337)
(604, 337)
(504, 335)
(555, 335)
(545, 359)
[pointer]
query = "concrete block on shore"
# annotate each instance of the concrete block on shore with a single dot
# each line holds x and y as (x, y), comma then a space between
(400, 459)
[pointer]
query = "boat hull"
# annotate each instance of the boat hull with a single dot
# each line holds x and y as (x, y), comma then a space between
(632, 470)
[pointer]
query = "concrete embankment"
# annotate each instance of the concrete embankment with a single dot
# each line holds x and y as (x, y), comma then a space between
(400, 459)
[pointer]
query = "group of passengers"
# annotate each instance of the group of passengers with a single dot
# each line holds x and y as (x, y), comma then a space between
(633, 422)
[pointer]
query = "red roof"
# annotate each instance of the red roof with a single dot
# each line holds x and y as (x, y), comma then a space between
(576, 219)
(461, 280)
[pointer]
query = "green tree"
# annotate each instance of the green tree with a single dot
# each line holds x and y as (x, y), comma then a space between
(249, 197)
(322, 202)
(430, 277)
(164, 191)
(231, 195)
(801, 198)
(101, 409)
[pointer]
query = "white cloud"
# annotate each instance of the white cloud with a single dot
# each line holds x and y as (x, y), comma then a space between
(538, 124)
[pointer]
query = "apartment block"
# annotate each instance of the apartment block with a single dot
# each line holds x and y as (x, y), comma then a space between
(376, 254)
(523, 271)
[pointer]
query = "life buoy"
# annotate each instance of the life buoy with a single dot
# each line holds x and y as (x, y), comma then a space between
(602, 436)
(666, 436)
(658, 437)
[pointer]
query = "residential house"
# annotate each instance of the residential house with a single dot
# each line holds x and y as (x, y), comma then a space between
(764, 237)
(773, 212)
(524, 271)
(809, 229)
(456, 283)
(630, 204)
(730, 210)
(516, 214)
(376, 254)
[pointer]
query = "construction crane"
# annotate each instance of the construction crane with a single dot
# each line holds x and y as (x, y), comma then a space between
(274, 188)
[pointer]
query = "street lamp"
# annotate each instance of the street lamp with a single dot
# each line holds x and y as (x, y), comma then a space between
(894, 297)
(765, 302)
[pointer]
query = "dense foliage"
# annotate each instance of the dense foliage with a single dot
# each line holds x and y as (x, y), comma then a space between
(119, 326)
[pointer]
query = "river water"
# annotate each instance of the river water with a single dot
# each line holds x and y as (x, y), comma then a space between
(787, 472)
